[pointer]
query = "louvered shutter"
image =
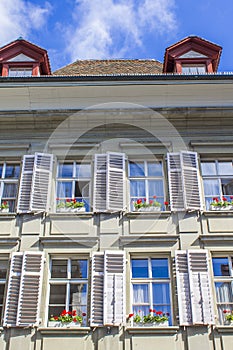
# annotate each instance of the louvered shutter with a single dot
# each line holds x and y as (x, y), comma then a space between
(97, 289)
(12, 298)
(25, 184)
(191, 181)
(30, 289)
(41, 182)
(100, 186)
(200, 287)
(114, 288)
(115, 181)
(183, 288)
(184, 181)
(175, 181)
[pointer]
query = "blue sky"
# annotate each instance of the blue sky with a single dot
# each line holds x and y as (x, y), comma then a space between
(100, 29)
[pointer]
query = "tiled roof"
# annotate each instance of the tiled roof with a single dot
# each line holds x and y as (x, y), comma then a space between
(111, 67)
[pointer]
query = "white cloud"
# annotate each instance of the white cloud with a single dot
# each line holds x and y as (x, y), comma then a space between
(20, 17)
(110, 28)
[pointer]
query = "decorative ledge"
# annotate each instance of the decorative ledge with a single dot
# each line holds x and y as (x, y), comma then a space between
(63, 331)
(148, 330)
(148, 239)
(9, 241)
(217, 213)
(70, 215)
(217, 238)
(60, 241)
(7, 216)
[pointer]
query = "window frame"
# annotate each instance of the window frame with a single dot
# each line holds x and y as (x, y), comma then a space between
(228, 279)
(150, 281)
(146, 178)
(216, 177)
(11, 180)
(73, 179)
(67, 281)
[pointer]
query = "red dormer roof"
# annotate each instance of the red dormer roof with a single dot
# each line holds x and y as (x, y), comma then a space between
(21, 52)
(192, 50)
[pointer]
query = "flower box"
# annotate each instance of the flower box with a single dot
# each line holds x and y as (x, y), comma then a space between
(71, 210)
(151, 324)
(4, 210)
(63, 324)
(150, 209)
(218, 208)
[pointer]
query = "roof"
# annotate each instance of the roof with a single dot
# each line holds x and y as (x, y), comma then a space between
(111, 67)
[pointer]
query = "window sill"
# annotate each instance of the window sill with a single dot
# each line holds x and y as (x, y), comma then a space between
(211, 213)
(60, 330)
(147, 330)
(133, 214)
(224, 329)
(69, 214)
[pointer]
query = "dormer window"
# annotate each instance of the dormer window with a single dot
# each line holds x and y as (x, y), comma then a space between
(20, 72)
(193, 68)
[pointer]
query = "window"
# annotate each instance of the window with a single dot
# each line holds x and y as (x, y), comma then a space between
(3, 273)
(150, 285)
(193, 69)
(217, 179)
(9, 175)
(68, 286)
(146, 182)
(223, 280)
(73, 182)
(20, 72)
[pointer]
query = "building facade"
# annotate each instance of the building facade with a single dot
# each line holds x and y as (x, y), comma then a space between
(116, 223)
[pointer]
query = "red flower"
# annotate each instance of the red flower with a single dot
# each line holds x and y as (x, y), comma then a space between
(55, 318)
(68, 200)
(57, 199)
(69, 313)
(84, 314)
(151, 310)
(231, 197)
(154, 197)
(225, 311)
(74, 313)
(131, 315)
(74, 320)
(167, 313)
(144, 199)
(139, 201)
(159, 313)
(151, 201)
(166, 203)
(224, 199)
(64, 312)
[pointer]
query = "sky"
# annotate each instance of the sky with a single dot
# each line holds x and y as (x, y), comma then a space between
(104, 29)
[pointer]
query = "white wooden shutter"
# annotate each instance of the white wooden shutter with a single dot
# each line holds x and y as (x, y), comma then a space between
(25, 186)
(12, 298)
(41, 182)
(200, 287)
(30, 289)
(183, 288)
(97, 289)
(114, 288)
(115, 181)
(100, 183)
(184, 181)
(191, 181)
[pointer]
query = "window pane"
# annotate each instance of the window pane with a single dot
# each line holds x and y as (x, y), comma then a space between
(64, 189)
(140, 294)
(83, 170)
(137, 188)
(161, 295)
(155, 169)
(78, 296)
(2, 288)
(225, 168)
(155, 188)
(224, 292)
(136, 169)
(79, 268)
(9, 190)
(58, 295)
(208, 168)
(211, 187)
(221, 267)
(59, 268)
(3, 268)
(81, 189)
(139, 268)
(12, 171)
(160, 268)
(1, 170)
(65, 170)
